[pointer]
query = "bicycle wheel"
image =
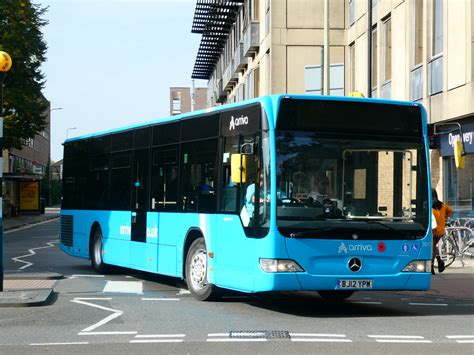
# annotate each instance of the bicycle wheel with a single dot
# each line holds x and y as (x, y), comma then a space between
(447, 250)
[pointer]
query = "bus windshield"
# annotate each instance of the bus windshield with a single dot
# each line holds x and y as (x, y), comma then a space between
(350, 183)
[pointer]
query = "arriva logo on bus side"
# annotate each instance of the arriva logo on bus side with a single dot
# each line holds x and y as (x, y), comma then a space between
(238, 121)
(354, 247)
(152, 232)
(125, 230)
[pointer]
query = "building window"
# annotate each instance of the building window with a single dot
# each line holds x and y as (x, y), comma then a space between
(416, 85)
(351, 12)
(435, 67)
(437, 35)
(435, 72)
(459, 185)
(416, 75)
(418, 33)
(176, 103)
(313, 79)
(374, 62)
(387, 50)
(352, 67)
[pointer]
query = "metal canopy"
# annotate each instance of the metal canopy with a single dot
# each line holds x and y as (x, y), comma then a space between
(213, 19)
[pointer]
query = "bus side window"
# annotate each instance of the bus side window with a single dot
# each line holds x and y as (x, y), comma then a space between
(198, 176)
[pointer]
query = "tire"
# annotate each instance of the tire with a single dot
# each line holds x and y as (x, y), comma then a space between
(96, 253)
(196, 272)
(447, 251)
(335, 295)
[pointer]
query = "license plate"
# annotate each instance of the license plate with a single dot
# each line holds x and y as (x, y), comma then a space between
(354, 284)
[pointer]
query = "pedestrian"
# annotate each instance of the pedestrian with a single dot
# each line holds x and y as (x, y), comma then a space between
(441, 212)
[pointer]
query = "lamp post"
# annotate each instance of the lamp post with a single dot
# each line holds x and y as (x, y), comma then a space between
(67, 131)
(5, 65)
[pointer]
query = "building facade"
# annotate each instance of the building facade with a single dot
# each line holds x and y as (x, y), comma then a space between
(181, 99)
(23, 170)
(421, 50)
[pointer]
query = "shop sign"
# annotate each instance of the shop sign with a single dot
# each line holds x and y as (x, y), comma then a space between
(447, 139)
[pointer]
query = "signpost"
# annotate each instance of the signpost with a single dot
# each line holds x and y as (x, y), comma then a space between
(5, 65)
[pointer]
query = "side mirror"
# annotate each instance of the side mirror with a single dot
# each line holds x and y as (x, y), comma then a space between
(238, 168)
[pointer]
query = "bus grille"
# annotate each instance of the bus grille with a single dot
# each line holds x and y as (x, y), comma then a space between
(66, 230)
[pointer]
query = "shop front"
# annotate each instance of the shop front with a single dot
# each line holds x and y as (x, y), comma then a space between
(458, 184)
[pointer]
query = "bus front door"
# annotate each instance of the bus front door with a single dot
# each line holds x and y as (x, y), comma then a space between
(139, 195)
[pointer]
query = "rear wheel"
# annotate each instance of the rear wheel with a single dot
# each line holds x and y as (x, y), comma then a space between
(335, 295)
(96, 252)
(196, 272)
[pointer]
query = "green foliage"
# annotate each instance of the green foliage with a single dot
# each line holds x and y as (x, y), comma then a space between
(25, 108)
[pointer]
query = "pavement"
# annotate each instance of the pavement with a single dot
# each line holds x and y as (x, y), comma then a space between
(22, 289)
(26, 289)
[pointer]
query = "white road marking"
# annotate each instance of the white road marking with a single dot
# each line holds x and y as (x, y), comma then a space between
(402, 341)
(317, 335)
(462, 339)
(74, 276)
(93, 298)
(399, 339)
(428, 304)
(157, 341)
(160, 299)
(234, 339)
(50, 244)
(397, 336)
(160, 336)
(323, 340)
(108, 333)
(365, 302)
(123, 287)
(116, 313)
(183, 292)
(460, 336)
(70, 343)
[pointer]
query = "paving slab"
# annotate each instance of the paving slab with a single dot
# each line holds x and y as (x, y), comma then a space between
(21, 275)
(25, 298)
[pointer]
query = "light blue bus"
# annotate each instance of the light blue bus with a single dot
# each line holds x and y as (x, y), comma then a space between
(278, 193)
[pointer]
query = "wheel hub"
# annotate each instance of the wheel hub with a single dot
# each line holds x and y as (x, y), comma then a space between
(199, 269)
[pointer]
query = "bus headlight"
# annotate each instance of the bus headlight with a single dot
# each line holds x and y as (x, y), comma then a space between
(280, 265)
(418, 266)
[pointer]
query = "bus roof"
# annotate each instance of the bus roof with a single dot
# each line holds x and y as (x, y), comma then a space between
(268, 101)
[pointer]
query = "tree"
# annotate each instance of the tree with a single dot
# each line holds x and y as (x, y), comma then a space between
(25, 108)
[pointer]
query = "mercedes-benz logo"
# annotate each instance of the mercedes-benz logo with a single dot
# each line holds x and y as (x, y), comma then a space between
(355, 264)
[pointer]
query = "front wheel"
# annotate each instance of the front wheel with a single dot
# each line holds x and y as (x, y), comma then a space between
(96, 252)
(335, 295)
(196, 272)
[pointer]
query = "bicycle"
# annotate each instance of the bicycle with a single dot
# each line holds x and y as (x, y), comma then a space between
(456, 243)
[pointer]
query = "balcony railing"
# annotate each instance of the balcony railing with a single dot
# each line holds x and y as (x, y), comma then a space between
(251, 39)
(230, 77)
(240, 61)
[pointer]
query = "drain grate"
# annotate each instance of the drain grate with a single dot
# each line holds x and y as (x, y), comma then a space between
(259, 334)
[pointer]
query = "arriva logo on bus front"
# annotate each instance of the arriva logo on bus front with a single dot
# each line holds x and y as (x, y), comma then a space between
(238, 121)
(354, 247)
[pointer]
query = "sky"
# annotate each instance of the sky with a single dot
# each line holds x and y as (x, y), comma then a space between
(110, 63)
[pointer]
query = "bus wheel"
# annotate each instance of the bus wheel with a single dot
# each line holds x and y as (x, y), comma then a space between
(96, 252)
(196, 272)
(335, 295)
